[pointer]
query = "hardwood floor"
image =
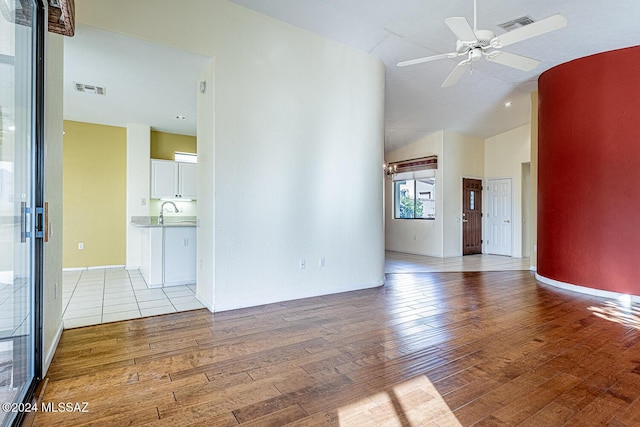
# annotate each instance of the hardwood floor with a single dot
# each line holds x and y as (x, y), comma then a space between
(427, 349)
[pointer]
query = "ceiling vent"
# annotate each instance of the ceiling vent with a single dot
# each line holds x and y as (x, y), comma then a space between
(516, 23)
(98, 90)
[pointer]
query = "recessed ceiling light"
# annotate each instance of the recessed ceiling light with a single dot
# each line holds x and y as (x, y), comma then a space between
(181, 117)
(507, 104)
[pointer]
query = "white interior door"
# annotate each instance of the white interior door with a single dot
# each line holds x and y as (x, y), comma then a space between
(499, 221)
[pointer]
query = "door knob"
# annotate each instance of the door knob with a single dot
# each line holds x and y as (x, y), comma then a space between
(465, 220)
(507, 221)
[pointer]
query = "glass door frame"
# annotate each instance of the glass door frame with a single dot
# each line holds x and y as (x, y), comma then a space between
(39, 28)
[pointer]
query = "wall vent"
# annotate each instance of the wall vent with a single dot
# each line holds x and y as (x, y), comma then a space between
(98, 90)
(516, 23)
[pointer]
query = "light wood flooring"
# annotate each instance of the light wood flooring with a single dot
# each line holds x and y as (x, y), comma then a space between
(427, 349)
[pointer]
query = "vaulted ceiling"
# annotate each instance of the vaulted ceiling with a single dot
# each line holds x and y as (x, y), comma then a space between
(416, 105)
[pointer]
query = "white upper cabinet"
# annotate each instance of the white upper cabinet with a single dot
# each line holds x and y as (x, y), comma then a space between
(173, 180)
(187, 180)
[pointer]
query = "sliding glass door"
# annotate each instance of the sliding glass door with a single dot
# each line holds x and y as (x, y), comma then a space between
(19, 330)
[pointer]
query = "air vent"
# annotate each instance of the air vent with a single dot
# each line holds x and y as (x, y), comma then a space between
(516, 23)
(98, 90)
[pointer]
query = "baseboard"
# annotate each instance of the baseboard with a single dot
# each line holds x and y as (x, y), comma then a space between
(245, 302)
(93, 267)
(208, 304)
(105, 267)
(585, 290)
(51, 351)
(416, 253)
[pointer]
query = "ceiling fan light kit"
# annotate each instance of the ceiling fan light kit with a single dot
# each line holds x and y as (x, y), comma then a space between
(475, 44)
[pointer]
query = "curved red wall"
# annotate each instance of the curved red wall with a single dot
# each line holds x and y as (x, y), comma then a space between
(589, 172)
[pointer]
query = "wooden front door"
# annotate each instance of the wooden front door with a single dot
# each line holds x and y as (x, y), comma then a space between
(471, 216)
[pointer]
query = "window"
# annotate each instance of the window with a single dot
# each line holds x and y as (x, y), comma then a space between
(180, 156)
(415, 198)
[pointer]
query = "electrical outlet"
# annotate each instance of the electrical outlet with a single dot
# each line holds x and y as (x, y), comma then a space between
(81, 246)
(321, 262)
(303, 264)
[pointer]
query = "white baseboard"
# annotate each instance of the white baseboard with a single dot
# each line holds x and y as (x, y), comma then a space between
(585, 290)
(208, 304)
(93, 267)
(100, 267)
(51, 351)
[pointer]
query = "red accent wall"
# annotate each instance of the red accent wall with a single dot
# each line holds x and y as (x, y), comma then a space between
(589, 172)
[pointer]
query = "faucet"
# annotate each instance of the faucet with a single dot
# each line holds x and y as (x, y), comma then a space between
(161, 217)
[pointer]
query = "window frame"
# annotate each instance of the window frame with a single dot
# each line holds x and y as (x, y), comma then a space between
(396, 199)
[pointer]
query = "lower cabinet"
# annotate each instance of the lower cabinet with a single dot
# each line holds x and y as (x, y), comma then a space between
(179, 256)
(168, 255)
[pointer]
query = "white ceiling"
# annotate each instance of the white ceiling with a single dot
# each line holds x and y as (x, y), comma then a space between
(145, 83)
(151, 84)
(398, 30)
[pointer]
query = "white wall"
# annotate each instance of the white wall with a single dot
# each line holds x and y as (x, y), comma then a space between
(463, 158)
(297, 118)
(205, 273)
(138, 182)
(421, 237)
(52, 288)
(505, 155)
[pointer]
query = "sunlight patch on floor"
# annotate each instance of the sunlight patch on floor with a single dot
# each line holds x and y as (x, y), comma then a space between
(414, 402)
(621, 311)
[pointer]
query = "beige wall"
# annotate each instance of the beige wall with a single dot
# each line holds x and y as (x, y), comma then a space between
(421, 237)
(463, 158)
(504, 157)
(459, 156)
(164, 145)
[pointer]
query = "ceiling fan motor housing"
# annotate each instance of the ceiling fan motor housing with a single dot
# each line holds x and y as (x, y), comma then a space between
(484, 37)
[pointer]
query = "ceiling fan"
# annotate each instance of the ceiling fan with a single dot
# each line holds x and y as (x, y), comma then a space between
(474, 44)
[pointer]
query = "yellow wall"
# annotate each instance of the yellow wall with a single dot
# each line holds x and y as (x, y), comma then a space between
(94, 195)
(164, 145)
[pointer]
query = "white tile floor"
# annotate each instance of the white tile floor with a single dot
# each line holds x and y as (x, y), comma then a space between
(91, 297)
(396, 262)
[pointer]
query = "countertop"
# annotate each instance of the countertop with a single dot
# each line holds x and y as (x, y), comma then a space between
(169, 221)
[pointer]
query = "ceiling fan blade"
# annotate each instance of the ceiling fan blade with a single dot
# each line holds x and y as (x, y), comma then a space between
(457, 72)
(427, 59)
(462, 29)
(546, 25)
(511, 60)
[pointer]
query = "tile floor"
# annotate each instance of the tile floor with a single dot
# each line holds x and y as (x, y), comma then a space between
(396, 262)
(91, 297)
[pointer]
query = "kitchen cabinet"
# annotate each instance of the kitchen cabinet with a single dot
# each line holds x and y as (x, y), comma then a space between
(168, 255)
(173, 180)
(179, 255)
